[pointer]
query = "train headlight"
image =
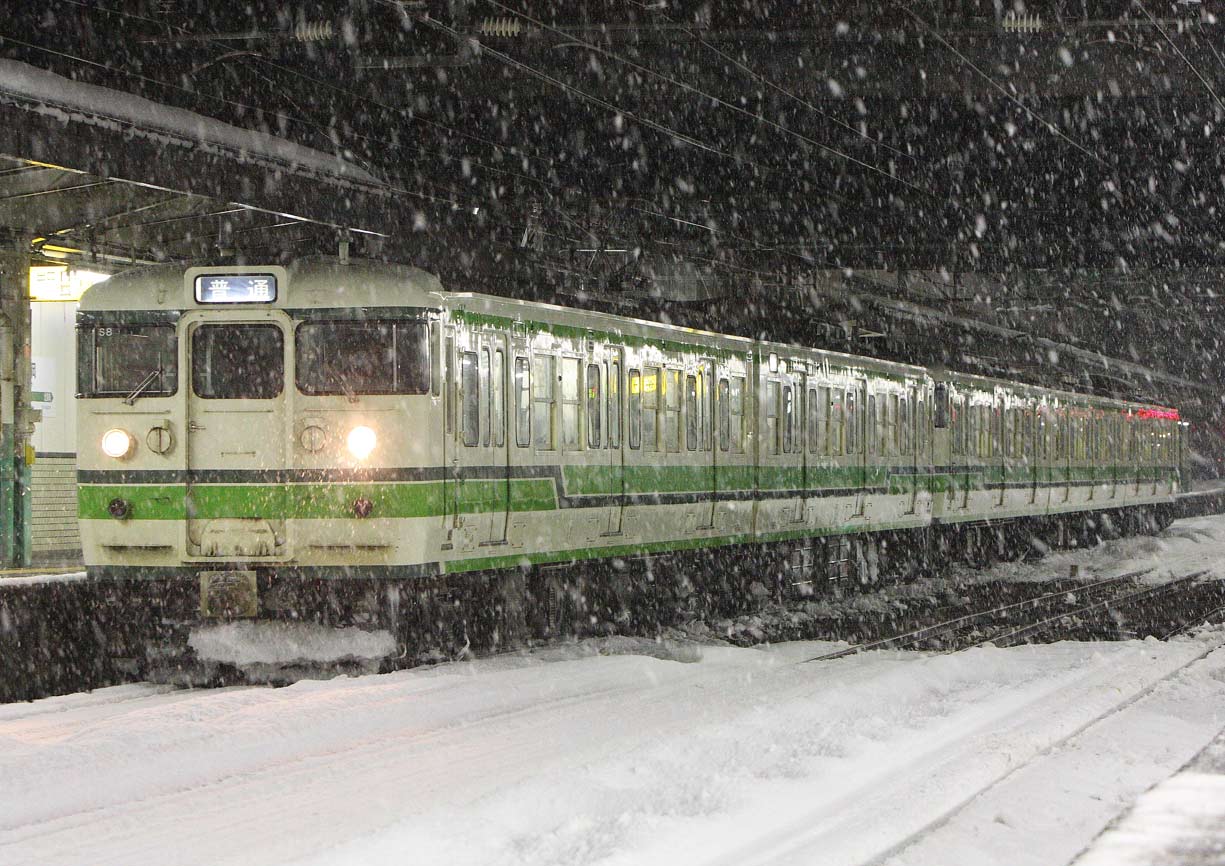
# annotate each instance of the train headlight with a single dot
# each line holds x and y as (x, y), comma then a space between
(117, 443)
(361, 442)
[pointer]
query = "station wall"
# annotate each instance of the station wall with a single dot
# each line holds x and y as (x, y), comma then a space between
(55, 535)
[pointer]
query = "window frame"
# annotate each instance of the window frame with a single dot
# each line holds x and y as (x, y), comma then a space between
(265, 326)
(87, 358)
(395, 325)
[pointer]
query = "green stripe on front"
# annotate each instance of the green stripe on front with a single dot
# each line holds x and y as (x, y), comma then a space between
(314, 501)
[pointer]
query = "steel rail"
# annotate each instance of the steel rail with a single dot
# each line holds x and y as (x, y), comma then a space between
(908, 638)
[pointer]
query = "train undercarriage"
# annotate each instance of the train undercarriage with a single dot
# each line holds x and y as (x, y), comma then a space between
(158, 632)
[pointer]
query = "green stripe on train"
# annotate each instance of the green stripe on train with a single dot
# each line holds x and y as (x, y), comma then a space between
(427, 499)
(318, 501)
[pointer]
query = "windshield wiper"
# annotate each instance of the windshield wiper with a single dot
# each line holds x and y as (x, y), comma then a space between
(144, 383)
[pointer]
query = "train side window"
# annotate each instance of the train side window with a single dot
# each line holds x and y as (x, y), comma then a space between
(544, 382)
(771, 413)
(834, 427)
(651, 384)
(788, 418)
(969, 438)
(497, 398)
(706, 399)
(691, 413)
(940, 406)
(594, 402)
(957, 423)
(523, 404)
(817, 400)
(485, 396)
(736, 410)
(470, 396)
(851, 424)
(451, 385)
(672, 410)
(571, 402)
(614, 406)
(634, 409)
(725, 415)
(892, 432)
(904, 428)
(872, 425)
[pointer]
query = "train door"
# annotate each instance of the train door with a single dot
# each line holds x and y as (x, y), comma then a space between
(1001, 445)
(494, 366)
(237, 433)
(480, 465)
(910, 445)
(614, 373)
(798, 422)
(706, 402)
(450, 455)
(967, 448)
(1111, 457)
(1033, 450)
(1069, 428)
(857, 411)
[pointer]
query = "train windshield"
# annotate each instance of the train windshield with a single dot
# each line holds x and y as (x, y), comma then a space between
(363, 357)
(126, 360)
(237, 362)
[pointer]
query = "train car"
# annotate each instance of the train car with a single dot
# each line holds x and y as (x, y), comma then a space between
(348, 441)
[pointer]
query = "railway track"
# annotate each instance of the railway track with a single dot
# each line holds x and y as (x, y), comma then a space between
(1099, 613)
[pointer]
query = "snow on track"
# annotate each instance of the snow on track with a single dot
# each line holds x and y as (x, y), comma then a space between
(715, 756)
(1191, 544)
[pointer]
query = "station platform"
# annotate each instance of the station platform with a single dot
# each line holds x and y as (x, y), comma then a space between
(1178, 822)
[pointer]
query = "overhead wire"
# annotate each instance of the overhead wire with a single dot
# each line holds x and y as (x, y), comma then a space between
(718, 100)
(1180, 53)
(758, 77)
(575, 91)
(348, 92)
(1050, 126)
(304, 121)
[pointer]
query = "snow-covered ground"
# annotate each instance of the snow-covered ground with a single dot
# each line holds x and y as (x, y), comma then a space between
(721, 756)
(625, 751)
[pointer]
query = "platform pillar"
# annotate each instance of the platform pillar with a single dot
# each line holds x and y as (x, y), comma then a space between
(17, 417)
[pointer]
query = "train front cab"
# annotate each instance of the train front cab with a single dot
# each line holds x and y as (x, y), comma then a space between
(241, 451)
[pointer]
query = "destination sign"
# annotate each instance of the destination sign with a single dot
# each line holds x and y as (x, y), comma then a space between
(235, 288)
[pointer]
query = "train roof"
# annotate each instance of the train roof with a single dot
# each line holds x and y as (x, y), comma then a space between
(989, 383)
(510, 308)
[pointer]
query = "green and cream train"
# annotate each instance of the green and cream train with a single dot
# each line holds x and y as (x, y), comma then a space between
(254, 438)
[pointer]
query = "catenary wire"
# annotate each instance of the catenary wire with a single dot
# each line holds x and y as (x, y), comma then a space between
(757, 76)
(1180, 53)
(320, 82)
(731, 106)
(997, 86)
